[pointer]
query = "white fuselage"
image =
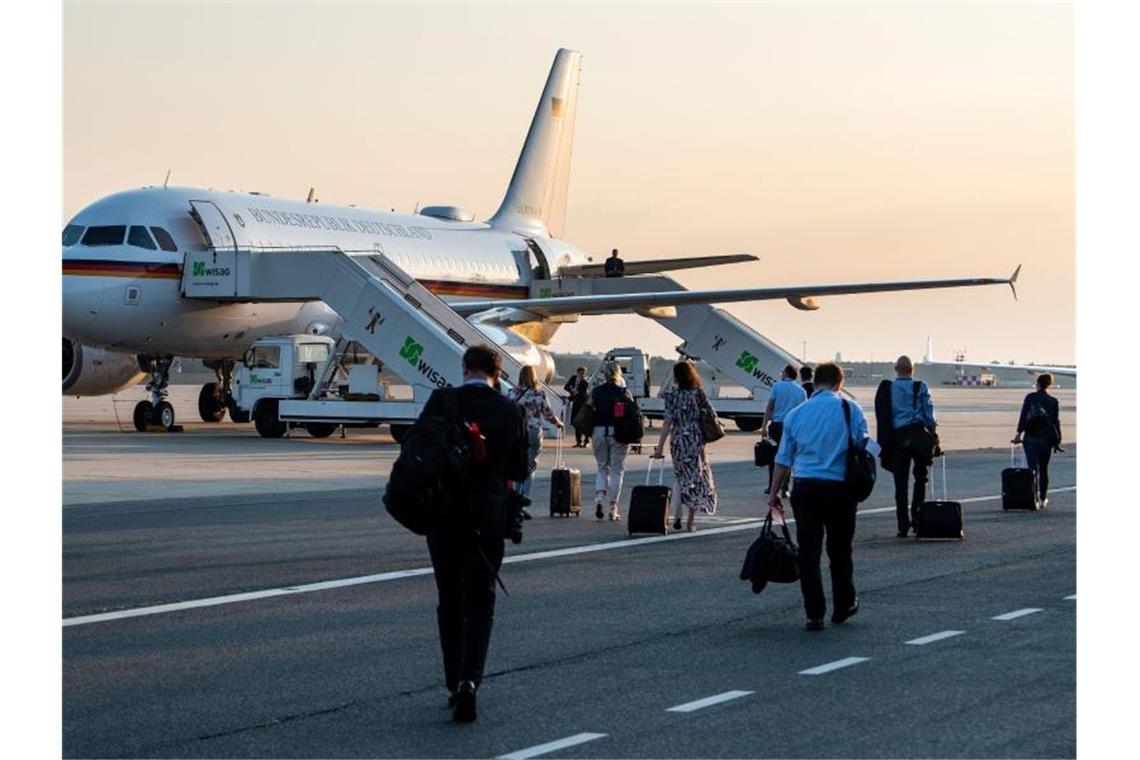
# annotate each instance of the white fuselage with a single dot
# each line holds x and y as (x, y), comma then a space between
(124, 294)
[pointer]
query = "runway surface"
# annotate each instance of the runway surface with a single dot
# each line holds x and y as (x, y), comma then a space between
(316, 630)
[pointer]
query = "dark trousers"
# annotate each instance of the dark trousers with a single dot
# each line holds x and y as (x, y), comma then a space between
(466, 611)
(775, 432)
(904, 460)
(580, 438)
(824, 506)
(1037, 454)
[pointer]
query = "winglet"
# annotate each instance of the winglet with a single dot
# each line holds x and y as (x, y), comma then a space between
(1013, 281)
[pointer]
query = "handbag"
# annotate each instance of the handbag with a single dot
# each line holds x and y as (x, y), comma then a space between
(771, 557)
(859, 474)
(711, 427)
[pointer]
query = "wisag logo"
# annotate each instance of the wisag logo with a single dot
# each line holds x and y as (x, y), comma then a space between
(199, 269)
(411, 351)
(747, 361)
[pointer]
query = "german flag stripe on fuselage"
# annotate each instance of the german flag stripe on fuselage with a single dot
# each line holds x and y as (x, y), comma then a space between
(171, 271)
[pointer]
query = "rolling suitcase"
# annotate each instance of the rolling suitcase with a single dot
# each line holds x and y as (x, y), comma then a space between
(649, 505)
(565, 486)
(939, 519)
(1018, 486)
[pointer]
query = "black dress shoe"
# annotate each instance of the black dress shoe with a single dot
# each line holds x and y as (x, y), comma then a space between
(451, 698)
(465, 704)
(839, 617)
(814, 624)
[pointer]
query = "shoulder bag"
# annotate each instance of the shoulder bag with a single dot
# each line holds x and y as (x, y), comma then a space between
(859, 475)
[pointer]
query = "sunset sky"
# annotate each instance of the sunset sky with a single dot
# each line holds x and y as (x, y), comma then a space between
(838, 142)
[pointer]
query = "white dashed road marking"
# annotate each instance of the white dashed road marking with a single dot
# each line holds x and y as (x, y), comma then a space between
(554, 746)
(934, 637)
(1072, 598)
(1016, 614)
(830, 666)
(214, 601)
(716, 699)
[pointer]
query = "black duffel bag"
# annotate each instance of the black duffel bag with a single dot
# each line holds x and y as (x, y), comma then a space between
(860, 472)
(771, 557)
(764, 452)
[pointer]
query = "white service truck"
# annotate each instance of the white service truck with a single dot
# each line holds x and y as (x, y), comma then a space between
(296, 380)
(745, 411)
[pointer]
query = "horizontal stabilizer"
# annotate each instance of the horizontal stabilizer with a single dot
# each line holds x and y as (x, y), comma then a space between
(655, 266)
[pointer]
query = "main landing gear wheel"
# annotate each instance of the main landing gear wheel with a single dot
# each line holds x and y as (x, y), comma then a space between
(320, 429)
(144, 410)
(164, 415)
(210, 406)
(266, 421)
(749, 424)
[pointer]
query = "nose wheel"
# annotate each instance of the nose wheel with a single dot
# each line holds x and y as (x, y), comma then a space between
(157, 411)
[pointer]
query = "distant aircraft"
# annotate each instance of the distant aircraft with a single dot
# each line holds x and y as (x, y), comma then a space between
(124, 313)
(972, 371)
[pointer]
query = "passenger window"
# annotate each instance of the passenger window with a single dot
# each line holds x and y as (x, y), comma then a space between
(71, 234)
(264, 357)
(165, 242)
(112, 235)
(140, 238)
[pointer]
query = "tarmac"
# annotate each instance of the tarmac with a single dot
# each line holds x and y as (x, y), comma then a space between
(229, 596)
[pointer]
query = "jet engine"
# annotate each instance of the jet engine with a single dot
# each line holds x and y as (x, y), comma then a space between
(523, 350)
(95, 371)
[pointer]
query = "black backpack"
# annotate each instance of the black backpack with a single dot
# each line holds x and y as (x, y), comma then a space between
(859, 475)
(429, 473)
(629, 426)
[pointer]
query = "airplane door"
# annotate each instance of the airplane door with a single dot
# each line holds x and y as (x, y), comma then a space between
(213, 271)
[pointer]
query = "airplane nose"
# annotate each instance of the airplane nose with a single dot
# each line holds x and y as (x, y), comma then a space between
(82, 301)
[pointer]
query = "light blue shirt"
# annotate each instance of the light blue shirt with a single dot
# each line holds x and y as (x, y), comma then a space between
(786, 396)
(814, 444)
(903, 409)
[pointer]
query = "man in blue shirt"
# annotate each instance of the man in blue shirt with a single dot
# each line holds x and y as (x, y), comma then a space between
(912, 417)
(786, 395)
(814, 447)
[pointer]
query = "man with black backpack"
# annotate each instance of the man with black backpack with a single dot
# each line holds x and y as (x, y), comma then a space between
(1040, 424)
(914, 440)
(481, 510)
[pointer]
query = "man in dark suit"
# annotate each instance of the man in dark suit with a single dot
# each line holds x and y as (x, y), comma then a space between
(467, 552)
(578, 390)
(614, 267)
(1039, 431)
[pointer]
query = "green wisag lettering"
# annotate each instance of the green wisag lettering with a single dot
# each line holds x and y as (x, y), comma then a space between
(411, 350)
(747, 361)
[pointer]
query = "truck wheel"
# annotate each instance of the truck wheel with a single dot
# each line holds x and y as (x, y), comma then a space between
(266, 421)
(398, 429)
(320, 429)
(143, 412)
(210, 407)
(749, 424)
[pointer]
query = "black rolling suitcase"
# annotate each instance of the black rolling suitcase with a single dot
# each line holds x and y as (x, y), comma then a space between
(649, 505)
(1018, 486)
(565, 486)
(939, 519)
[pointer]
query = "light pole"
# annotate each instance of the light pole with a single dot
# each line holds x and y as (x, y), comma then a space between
(803, 356)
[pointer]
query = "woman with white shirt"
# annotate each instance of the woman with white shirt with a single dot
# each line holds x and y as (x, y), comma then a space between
(814, 445)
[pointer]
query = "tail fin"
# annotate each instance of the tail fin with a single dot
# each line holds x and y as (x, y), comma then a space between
(928, 357)
(536, 198)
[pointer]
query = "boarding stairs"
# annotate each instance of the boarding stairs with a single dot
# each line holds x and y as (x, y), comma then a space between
(413, 332)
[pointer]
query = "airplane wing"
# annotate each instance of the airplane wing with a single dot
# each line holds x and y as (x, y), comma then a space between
(653, 266)
(799, 296)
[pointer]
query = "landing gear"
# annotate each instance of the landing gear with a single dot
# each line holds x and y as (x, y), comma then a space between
(215, 398)
(144, 410)
(210, 406)
(156, 411)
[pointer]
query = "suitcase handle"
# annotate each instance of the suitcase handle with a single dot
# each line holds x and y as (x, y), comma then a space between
(660, 472)
(944, 497)
(1013, 455)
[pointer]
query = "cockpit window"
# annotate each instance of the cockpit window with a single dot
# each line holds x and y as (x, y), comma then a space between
(165, 242)
(71, 234)
(112, 235)
(139, 237)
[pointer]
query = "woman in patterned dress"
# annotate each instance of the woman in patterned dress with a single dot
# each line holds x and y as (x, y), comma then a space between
(683, 402)
(533, 401)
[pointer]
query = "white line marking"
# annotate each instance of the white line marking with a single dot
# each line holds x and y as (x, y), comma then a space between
(554, 746)
(1017, 613)
(934, 637)
(306, 588)
(1072, 598)
(830, 666)
(716, 699)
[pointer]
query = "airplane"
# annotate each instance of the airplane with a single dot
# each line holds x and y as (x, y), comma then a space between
(124, 315)
(972, 372)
